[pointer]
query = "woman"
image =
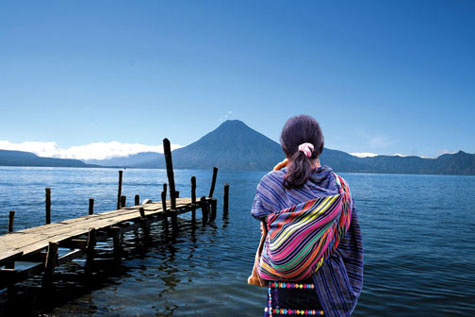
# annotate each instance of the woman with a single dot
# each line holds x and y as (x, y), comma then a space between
(328, 277)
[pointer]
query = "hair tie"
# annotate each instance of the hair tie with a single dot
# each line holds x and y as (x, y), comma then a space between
(306, 148)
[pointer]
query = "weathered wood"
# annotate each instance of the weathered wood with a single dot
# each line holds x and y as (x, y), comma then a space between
(119, 193)
(51, 260)
(20, 245)
(213, 182)
(171, 178)
(226, 200)
(35, 257)
(48, 205)
(91, 206)
(214, 207)
(11, 219)
(164, 207)
(137, 200)
(144, 222)
(115, 232)
(74, 244)
(8, 276)
(204, 209)
(193, 199)
(69, 256)
(123, 201)
(91, 243)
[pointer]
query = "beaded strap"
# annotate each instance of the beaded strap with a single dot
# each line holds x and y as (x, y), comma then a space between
(285, 311)
(291, 285)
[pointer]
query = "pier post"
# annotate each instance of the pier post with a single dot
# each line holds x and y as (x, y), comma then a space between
(11, 219)
(137, 200)
(204, 210)
(214, 207)
(50, 263)
(193, 199)
(143, 222)
(119, 194)
(122, 201)
(164, 208)
(91, 243)
(91, 206)
(48, 204)
(116, 241)
(213, 182)
(171, 178)
(226, 200)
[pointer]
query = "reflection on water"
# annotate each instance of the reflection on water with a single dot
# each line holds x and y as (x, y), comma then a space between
(418, 236)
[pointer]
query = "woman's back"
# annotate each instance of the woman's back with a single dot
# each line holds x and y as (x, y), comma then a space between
(339, 281)
(316, 243)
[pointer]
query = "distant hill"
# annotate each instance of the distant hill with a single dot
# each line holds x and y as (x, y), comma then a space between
(235, 146)
(140, 160)
(19, 158)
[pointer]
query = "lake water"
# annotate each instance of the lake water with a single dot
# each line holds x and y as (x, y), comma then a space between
(418, 230)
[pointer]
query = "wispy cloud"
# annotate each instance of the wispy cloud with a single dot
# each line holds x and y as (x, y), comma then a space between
(97, 150)
(226, 116)
(364, 154)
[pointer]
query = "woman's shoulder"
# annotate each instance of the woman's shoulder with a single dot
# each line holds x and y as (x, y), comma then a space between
(273, 181)
(274, 177)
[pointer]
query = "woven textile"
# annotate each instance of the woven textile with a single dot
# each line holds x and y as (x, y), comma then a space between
(301, 237)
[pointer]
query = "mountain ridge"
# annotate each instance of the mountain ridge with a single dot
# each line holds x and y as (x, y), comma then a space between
(235, 146)
(21, 158)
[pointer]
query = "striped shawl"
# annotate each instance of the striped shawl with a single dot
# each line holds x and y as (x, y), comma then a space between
(301, 237)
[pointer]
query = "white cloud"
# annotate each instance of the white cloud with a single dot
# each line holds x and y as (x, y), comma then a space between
(399, 154)
(226, 116)
(97, 150)
(364, 154)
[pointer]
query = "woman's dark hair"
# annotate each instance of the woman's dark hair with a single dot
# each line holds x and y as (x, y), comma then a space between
(298, 130)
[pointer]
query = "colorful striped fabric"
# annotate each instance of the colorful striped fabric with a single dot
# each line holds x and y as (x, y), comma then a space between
(301, 237)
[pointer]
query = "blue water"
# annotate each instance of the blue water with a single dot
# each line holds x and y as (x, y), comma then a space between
(419, 233)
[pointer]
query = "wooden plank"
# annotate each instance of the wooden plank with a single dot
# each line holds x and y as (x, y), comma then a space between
(33, 240)
(8, 256)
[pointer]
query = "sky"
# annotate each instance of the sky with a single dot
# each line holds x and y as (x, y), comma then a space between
(95, 79)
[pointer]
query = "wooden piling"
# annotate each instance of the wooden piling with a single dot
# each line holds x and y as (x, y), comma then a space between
(119, 193)
(193, 199)
(164, 207)
(204, 210)
(213, 182)
(11, 218)
(137, 200)
(171, 178)
(214, 208)
(116, 241)
(122, 201)
(48, 205)
(91, 206)
(226, 200)
(50, 263)
(91, 243)
(143, 222)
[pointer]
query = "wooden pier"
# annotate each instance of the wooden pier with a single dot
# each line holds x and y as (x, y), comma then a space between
(39, 245)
